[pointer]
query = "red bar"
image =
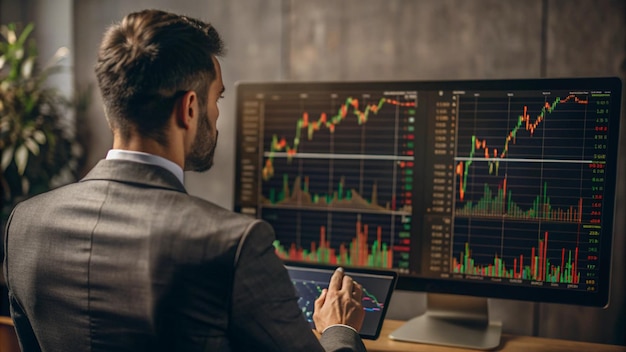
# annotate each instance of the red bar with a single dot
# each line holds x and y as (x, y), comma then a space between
(497, 266)
(293, 253)
(532, 262)
(355, 254)
(459, 171)
(545, 256)
(580, 210)
(401, 248)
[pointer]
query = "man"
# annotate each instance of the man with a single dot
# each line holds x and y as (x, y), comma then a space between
(125, 259)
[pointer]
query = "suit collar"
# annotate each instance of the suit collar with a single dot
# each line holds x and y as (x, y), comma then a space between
(146, 158)
(132, 172)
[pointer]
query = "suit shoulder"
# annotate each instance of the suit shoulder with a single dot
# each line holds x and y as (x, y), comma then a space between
(205, 206)
(209, 214)
(44, 198)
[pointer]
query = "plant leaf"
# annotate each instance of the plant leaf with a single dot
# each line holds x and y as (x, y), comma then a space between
(32, 146)
(21, 159)
(11, 37)
(24, 35)
(27, 67)
(40, 137)
(19, 54)
(59, 55)
(7, 156)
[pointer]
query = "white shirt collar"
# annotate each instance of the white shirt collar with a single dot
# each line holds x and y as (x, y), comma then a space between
(146, 158)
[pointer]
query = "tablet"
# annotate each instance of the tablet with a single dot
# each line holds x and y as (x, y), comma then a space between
(378, 285)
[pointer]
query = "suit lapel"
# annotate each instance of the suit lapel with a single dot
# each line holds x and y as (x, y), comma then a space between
(145, 175)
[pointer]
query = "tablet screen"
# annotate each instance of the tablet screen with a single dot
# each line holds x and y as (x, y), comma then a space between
(378, 286)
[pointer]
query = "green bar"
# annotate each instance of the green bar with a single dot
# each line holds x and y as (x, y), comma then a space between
(465, 258)
(545, 199)
(403, 234)
(340, 192)
(351, 259)
(569, 264)
(285, 186)
(272, 196)
(509, 203)
(385, 255)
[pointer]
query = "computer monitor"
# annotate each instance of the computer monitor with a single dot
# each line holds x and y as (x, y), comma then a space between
(480, 188)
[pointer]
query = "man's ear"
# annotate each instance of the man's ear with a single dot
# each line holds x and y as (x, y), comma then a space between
(187, 109)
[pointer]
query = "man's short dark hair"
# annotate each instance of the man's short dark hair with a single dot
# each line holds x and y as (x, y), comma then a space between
(147, 61)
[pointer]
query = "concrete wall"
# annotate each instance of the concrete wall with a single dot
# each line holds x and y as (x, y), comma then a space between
(393, 39)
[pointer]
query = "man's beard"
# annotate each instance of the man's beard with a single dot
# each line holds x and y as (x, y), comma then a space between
(200, 157)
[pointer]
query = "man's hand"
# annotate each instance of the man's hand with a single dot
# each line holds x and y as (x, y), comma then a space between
(340, 303)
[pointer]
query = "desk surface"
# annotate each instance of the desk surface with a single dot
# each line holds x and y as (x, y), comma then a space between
(508, 343)
(8, 342)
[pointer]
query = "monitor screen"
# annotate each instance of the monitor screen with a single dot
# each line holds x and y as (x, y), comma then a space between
(491, 188)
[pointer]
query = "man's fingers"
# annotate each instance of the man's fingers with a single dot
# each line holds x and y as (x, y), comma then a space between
(357, 291)
(347, 284)
(336, 279)
(319, 302)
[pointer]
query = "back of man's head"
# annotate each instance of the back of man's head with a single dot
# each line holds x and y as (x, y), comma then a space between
(147, 61)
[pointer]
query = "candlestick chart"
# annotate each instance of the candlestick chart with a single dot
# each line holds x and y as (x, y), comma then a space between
(336, 175)
(526, 201)
(352, 111)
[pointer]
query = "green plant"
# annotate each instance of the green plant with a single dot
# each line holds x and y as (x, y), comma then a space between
(38, 145)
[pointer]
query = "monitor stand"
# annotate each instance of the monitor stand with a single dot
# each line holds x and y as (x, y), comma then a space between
(451, 320)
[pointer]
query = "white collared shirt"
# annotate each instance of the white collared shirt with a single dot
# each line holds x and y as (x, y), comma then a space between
(146, 158)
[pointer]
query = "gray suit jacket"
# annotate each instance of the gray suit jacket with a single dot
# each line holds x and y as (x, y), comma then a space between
(126, 260)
